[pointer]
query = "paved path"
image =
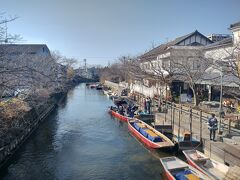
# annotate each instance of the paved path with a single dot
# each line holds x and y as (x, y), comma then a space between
(224, 152)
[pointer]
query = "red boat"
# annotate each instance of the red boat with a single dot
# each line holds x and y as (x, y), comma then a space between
(175, 168)
(119, 116)
(148, 135)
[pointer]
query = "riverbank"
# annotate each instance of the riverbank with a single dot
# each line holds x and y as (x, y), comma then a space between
(21, 127)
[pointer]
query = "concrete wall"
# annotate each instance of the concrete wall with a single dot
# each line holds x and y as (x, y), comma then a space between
(218, 53)
(146, 91)
(236, 36)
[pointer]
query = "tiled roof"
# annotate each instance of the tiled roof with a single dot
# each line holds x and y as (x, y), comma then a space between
(23, 48)
(235, 25)
(224, 42)
(152, 54)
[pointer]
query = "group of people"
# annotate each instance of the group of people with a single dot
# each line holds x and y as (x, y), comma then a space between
(130, 110)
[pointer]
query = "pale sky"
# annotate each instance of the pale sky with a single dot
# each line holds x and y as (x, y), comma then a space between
(103, 30)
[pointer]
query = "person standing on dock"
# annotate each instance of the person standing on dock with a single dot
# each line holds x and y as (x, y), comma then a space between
(148, 103)
(145, 105)
(212, 126)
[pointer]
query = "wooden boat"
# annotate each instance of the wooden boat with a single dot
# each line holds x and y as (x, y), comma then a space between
(105, 92)
(92, 86)
(208, 166)
(119, 116)
(109, 94)
(176, 169)
(99, 87)
(148, 135)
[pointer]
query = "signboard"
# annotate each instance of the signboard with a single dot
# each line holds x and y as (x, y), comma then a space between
(185, 98)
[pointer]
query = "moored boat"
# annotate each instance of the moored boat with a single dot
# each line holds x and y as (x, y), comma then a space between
(109, 94)
(148, 135)
(99, 87)
(92, 86)
(176, 169)
(206, 165)
(118, 115)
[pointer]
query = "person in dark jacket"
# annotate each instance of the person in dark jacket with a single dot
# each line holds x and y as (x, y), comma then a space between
(145, 105)
(148, 103)
(212, 126)
(121, 110)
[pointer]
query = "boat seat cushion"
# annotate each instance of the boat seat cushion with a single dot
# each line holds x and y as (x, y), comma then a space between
(138, 126)
(182, 175)
(192, 177)
(151, 133)
(143, 132)
(141, 125)
(155, 139)
(152, 136)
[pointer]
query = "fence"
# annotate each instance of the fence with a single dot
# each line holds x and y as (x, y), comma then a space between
(201, 116)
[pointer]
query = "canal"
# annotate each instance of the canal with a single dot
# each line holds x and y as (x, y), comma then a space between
(80, 140)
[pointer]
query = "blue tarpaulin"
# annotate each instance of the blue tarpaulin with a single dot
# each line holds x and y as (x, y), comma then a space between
(181, 175)
(154, 139)
(136, 126)
(143, 132)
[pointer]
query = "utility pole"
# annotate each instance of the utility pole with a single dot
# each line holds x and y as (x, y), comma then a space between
(85, 67)
(220, 105)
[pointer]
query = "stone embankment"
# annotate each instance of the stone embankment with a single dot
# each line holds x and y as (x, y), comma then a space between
(19, 128)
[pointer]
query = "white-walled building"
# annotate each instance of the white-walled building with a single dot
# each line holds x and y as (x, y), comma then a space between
(235, 28)
(184, 49)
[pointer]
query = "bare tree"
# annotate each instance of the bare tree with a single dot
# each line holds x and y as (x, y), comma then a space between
(190, 68)
(5, 37)
(226, 65)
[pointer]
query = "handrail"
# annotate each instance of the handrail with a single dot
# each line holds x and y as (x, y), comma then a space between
(204, 118)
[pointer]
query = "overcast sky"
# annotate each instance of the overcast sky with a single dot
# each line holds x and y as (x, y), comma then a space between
(102, 30)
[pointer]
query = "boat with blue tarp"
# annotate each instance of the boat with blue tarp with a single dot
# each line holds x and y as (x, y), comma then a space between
(148, 135)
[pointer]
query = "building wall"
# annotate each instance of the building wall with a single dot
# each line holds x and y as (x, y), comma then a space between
(236, 36)
(218, 53)
(149, 91)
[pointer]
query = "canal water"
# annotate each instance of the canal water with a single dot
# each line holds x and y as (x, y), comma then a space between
(80, 140)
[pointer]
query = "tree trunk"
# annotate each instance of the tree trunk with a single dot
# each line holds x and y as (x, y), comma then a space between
(195, 98)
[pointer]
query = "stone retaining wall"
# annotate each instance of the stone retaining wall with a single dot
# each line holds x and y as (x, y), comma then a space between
(24, 126)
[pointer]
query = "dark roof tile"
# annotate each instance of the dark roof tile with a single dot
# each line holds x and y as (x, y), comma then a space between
(164, 47)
